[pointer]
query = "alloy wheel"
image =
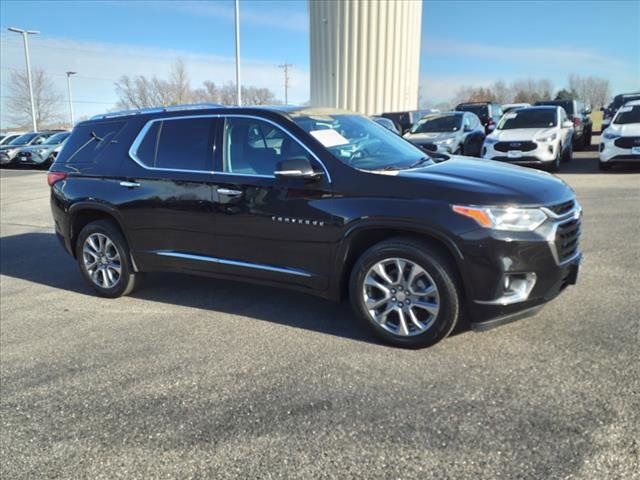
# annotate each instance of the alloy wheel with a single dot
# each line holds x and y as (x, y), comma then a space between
(101, 260)
(401, 296)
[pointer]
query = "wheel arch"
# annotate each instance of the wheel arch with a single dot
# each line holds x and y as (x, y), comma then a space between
(83, 213)
(360, 238)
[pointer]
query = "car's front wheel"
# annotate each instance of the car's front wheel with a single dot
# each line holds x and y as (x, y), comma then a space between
(568, 154)
(103, 257)
(405, 291)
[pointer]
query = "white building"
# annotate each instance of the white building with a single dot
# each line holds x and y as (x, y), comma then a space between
(365, 55)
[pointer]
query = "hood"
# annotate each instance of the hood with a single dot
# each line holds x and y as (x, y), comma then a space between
(10, 147)
(517, 134)
(485, 182)
(625, 130)
(32, 148)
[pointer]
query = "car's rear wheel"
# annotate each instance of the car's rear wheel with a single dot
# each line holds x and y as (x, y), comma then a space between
(104, 259)
(405, 292)
(555, 165)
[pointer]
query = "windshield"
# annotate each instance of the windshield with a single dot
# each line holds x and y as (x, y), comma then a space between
(443, 123)
(529, 118)
(56, 139)
(627, 115)
(566, 104)
(480, 110)
(361, 143)
(23, 139)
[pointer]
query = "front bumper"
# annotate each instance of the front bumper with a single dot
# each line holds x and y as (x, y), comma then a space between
(544, 154)
(493, 260)
(609, 152)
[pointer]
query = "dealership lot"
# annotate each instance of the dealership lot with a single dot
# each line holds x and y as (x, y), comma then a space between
(200, 378)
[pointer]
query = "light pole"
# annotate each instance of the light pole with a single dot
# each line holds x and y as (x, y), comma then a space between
(25, 33)
(69, 91)
(238, 90)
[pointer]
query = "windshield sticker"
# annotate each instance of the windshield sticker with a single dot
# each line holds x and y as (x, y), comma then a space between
(329, 138)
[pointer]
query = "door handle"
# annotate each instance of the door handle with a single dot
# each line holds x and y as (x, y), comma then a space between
(129, 184)
(229, 192)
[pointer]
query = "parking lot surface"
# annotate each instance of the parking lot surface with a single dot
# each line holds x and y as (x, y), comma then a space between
(199, 378)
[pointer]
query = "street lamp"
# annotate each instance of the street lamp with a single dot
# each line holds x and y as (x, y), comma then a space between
(24, 34)
(238, 89)
(69, 92)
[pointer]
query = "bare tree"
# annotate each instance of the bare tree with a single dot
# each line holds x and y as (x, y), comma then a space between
(46, 98)
(501, 92)
(531, 90)
(141, 92)
(593, 90)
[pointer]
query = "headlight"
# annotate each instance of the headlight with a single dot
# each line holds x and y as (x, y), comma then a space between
(548, 138)
(610, 135)
(446, 141)
(511, 219)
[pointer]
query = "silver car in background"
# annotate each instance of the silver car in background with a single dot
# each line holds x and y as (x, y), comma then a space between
(459, 133)
(42, 155)
(535, 136)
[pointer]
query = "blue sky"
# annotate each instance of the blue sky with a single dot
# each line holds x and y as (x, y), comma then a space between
(463, 42)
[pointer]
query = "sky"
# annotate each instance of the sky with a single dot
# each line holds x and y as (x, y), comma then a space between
(463, 43)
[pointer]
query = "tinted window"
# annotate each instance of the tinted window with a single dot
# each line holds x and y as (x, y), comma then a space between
(88, 141)
(566, 104)
(481, 111)
(529, 118)
(23, 139)
(57, 138)
(254, 147)
(185, 144)
(620, 100)
(146, 151)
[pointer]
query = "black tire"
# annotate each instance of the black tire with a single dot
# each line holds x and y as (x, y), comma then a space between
(128, 278)
(604, 166)
(568, 154)
(586, 140)
(433, 261)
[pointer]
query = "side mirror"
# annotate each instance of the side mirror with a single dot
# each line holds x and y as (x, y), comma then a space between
(567, 124)
(296, 167)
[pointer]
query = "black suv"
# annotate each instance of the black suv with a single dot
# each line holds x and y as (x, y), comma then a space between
(578, 112)
(321, 201)
(489, 113)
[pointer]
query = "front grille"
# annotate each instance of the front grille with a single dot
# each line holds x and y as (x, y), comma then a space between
(521, 146)
(523, 159)
(567, 238)
(627, 142)
(562, 208)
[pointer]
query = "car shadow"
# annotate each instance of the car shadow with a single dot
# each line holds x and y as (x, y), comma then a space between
(47, 264)
(590, 165)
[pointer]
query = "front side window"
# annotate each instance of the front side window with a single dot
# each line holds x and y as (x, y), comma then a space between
(481, 111)
(178, 144)
(437, 123)
(630, 114)
(529, 118)
(255, 147)
(359, 142)
(56, 139)
(23, 139)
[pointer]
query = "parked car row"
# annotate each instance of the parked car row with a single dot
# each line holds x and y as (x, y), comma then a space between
(32, 148)
(618, 101)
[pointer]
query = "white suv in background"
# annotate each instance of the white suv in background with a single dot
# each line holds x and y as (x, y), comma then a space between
(536, 136)
(620, 142)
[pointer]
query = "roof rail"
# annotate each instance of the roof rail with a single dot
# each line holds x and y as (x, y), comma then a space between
(170, 108)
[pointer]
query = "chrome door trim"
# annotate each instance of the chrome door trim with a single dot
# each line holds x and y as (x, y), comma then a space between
(133, 150)
(234, 263)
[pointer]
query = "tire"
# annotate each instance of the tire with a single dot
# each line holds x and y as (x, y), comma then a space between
(604, 166)
(586, 139)
(568, 155)
(434, 272)
(115, 243)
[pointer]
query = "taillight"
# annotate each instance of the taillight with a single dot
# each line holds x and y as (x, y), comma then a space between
(53, 177)
(576, 122)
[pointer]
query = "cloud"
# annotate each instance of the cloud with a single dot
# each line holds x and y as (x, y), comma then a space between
(99, 65)
(293, 20)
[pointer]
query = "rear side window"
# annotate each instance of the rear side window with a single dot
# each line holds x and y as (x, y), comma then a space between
(178, 144)
(87, 142)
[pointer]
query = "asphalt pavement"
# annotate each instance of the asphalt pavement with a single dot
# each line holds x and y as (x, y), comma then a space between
(199, 378)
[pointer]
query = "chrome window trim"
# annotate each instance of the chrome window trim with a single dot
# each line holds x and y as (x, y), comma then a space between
(133, 150)
(234, 263)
